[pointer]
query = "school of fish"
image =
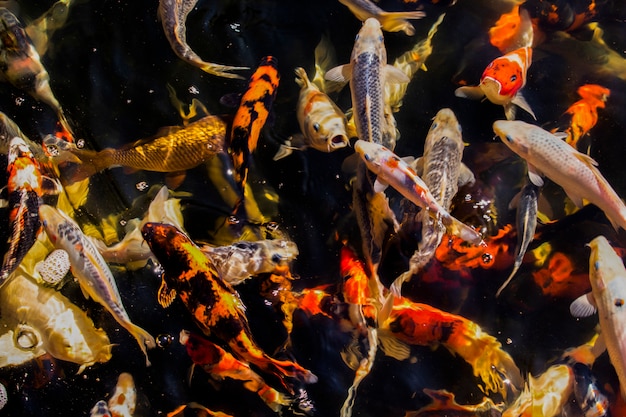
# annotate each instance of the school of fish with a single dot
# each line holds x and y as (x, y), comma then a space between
(359, 240)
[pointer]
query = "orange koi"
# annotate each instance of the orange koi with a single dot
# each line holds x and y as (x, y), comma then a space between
(251, 116)
(213, 303)
(219, 363)
(583, 114)
(502, 81)
(423, 325)
(512, 30)
(179, 411)
(560, 278)
(444, 403)
(356, 284)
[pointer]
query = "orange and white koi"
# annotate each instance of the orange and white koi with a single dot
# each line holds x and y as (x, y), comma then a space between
(213, 303)
(124, 399)
(173, 15)
(390, 21)
(221, 364)
(91, 270)
(502, 81)
(254, 108)
(577, 173)
(391, 170)
(607, 276)
(368, 72)
(582, 116)
(322, 123)
(25, 189)
(423, 325)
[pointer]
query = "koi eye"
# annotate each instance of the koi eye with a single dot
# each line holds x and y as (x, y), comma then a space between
(316, 127)
(276, 258)
(619, 302)
(380, 38)
(434, 126)
(367, 157)
(509, 138)
(513, 78)
(357, 37)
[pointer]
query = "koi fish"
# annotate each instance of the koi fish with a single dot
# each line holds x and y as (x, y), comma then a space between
(526, 223)
(221, 364)
(213, 303)
(513, 30)
(21, 65)
(420, 324)
(582, 116)
(101, 409)
(40, 30)
(444, 404)
(237, 262)
(254, 108)
(546, 154)
(322, 123)
(44, 320)
(368, 72)
(442, 172)
(591, 400)
(607, 276)
(391, 170)
(8, 130)
(173, 15)
(502, 81)
(182, 148)
(25, 189)
(124, 399)
(545, 395)
(91, 271)
(179, 411)
(390, 21)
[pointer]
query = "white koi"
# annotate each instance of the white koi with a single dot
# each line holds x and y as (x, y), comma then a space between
(90, 269)
(124, 399)
(546, 154)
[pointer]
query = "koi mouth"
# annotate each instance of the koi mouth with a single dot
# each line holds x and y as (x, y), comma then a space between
(339, 141)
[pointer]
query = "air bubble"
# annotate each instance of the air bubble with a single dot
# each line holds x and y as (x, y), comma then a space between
(233, 220)
(80, 143)
(164, 340)
(487, 258)
(141, 186)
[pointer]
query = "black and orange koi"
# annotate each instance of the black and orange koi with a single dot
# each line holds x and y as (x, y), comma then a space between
(213, 303)
(251, 116)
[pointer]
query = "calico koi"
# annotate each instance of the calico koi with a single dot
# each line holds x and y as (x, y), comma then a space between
(577, 173)
(213, 303)
(502, 81)
(91, 270)
(173, 15)
(220, 364)
(254, 108)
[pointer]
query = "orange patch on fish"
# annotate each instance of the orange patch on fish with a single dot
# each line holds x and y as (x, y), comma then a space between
(502, 33)
(509, 71)
(559, 278)
(356, 282)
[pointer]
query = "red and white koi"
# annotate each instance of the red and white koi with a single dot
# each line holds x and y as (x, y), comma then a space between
(502, 81)
(391, 170)
(91, 270)
(577, 173)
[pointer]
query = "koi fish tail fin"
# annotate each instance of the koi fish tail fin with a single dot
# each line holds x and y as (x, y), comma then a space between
(457, 228)
(518, 263)
(484, 352)
(288, 369)
(398, 21)
(87, 162)
(144, 339)
(274, 399)
(221, 70)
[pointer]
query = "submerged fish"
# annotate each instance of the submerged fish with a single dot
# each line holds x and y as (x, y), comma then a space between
(181, 149)
(124, 399)
(214, 304)
(237, 262)
(91, 271)
(512, 31)
(100, 409)
(221, 364)
(8, 130)
(322, 123)
(444, 404)
(546, 154)
(173, 15)
(393, 171)
(254, 108)
(390, 21)
(592, 402)
(502, 81)
(607, 276)
(21, 65)
(526, 223)
(368, 72)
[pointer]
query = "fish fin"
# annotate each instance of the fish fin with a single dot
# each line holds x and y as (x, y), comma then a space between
(535, 176)
(508, 280)
(466, 176)
(560, 135)
(302, 79)
(284, 150)
(397, 21)
(173, 180)
(340, 74)
(599, 346)
(470, 92)
(576, 199)
(457, 228)
(231, 100)
(380, 186)
(509, 111)
(51, 186)
(586, 159)
(418, 166)
(393, 347)
(394, 75)
(583, 306)
(521, 102)
(166, 296)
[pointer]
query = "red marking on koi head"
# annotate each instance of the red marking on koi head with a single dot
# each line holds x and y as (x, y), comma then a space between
(509, 71)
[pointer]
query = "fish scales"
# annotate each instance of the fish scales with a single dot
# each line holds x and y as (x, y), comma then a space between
(367, 93)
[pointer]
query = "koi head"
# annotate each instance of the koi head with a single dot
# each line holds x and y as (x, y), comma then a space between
(506, 75)
(165, 240)
(370, 40)
(371, 153)
(445, 125)
(513, 134)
